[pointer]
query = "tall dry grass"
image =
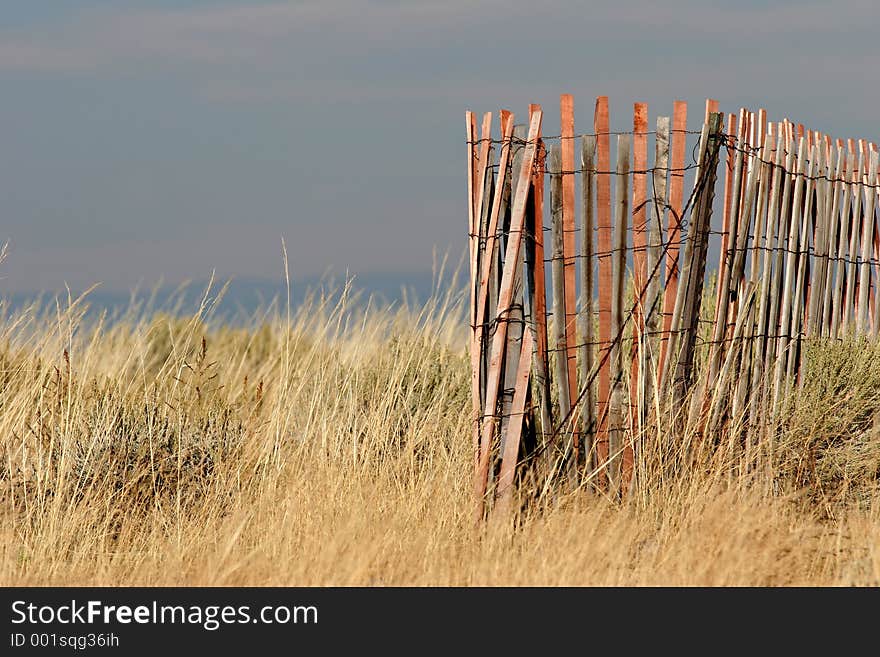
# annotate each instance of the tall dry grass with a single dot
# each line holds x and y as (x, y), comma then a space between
(333, 447)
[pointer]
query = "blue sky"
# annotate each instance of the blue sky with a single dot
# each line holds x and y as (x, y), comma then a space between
(141, 140)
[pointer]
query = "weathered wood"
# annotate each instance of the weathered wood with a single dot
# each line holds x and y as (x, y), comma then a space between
(673, 232)
(616, 411)
(566, 143)
(725, 287)
(854, 234)
(516, 316)
(765, 275)
(505, 296)
(875, 305)
(838, 307)
(488, 193)
(711, 108)
(557, 226)
(604, 250)
(799, 299)
(820, 243)
(639, 259)
(540, 356)
(510, 453)
(473, 242)
(694, 262)
(723, 260)
(744, 223)
(833, 227)
(586, 332)
(719, 397)
(863, 326)
(652, 301)
(470, 131)
(763, 167)
(777, 289)
(654, 265)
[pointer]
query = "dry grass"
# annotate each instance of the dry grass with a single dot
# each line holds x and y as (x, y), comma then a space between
(333, 448)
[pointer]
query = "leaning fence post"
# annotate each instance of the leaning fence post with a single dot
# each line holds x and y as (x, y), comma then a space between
(694, 264)
(505, 299)
(536, 278)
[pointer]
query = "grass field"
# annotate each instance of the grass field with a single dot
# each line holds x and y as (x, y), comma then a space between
(333, 447)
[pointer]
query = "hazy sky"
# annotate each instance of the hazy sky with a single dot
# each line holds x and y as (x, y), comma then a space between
(141, 139)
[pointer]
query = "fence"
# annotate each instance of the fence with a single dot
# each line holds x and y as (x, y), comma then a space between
(586, 331)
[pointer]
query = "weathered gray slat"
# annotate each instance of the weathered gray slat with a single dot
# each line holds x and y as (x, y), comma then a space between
(587, 350)
(617, 403)
(558, 283)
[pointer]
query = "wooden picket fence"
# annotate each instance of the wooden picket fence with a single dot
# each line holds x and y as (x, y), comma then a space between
(628, 334)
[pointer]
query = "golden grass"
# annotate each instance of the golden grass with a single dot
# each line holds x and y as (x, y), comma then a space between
(333, 448)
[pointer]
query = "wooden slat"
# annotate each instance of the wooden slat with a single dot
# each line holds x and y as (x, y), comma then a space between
(729, 160)
(777, 289)
(765, 277)
(820, 242)
(763, 198)
(586, 332)
(744, 222)
(688, 300)
(832, 222)
(566, 107)
(863, 325)
(761, 126)
(510, 455)
(603, 239)
(854, 235)
(654, 264)
(470, 131)
(673, 231)
(652, 302)
(558, 283)
(616, 411)
(834, 225)
(542, 374)
(516, 317)
(476, 404)
(799, 299)
(838, 308)
(711, 108)
(875, 299)
(785, 339)
(874, 310)
(726, 285)
(505, 296)
(639, 234)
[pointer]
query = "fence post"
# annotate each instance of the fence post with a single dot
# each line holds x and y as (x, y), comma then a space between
(673, 232)
(616, 413)
(694, 264)
(560, 346)
(505, 300)
(588, 413)
(639, 232)
(566, 146)
(603, 238)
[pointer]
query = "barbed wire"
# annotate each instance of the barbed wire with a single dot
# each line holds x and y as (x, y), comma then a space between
(780, 246)
(729, 142)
